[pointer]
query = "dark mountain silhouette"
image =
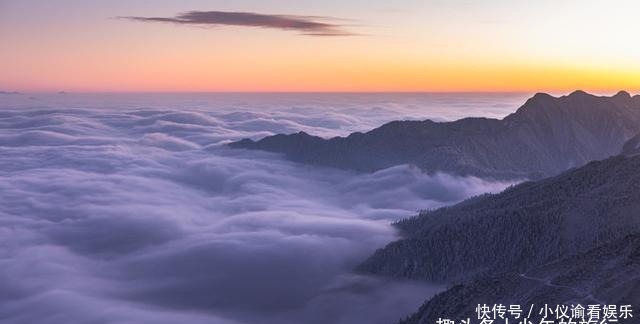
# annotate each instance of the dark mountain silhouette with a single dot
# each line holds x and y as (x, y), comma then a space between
(609, 274)
(546, 136)
(526, 225)
(573, 238)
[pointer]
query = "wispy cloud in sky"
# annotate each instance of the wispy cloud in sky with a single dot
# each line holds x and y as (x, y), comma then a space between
(306, 25)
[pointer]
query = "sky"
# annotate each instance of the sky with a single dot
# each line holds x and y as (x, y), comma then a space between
(303, 45)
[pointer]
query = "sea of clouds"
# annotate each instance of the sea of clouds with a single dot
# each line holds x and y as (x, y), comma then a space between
(129, 208)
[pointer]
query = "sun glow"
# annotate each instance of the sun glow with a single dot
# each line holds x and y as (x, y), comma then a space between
(453, 46)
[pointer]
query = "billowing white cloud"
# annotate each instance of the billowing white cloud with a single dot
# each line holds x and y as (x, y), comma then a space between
(128, 214)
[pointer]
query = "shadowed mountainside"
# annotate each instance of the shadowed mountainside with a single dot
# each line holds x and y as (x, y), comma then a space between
(609, 274)
(573, 238)
(546, 136)
(632, 146)
(526, 225)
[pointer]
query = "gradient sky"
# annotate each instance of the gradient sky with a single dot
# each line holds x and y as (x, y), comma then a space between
(404, 45)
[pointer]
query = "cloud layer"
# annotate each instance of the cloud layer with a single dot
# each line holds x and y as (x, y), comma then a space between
(306, 25)
(128, 210)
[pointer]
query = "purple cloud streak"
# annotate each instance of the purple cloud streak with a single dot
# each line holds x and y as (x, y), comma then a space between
(306, 25)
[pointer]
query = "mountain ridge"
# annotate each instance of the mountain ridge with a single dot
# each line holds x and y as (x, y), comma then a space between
(544, 137)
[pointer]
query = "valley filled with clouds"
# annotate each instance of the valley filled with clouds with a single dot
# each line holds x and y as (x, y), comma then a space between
(130, 208)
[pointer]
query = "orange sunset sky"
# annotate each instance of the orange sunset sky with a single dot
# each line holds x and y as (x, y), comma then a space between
(375, 45)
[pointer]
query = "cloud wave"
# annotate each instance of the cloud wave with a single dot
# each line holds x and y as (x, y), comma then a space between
(306, 25)
(129, 210)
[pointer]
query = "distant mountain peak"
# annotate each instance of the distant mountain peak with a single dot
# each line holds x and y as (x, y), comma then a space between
(539, 99)
(580, 93)
(543, 95)
(622, 94)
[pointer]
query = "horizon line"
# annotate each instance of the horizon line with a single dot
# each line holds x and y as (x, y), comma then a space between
(470, 92)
